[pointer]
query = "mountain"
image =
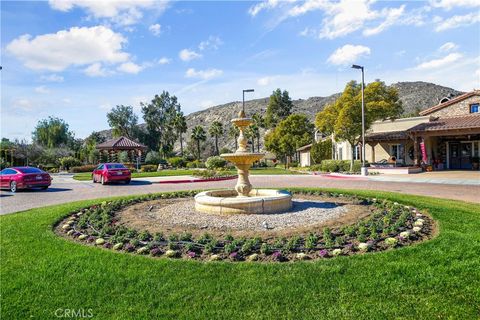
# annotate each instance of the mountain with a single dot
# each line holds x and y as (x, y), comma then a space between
(415, 96)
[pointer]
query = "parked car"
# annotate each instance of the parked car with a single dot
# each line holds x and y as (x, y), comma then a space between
(16, 178)
(111, 172)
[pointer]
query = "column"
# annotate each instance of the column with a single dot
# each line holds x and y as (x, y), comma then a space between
(416, 161)
(448, 156)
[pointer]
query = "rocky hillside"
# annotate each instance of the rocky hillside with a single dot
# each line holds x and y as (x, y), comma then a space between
(416, 96)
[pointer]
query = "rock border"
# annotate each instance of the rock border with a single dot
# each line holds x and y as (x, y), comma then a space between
(390, 225)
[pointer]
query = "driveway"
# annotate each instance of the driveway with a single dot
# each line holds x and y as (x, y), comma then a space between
(65, 189)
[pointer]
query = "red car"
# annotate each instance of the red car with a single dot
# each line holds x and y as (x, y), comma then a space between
(24, 178)
(111, 172)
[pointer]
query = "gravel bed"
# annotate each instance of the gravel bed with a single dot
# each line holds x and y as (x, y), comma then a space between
(303, 213)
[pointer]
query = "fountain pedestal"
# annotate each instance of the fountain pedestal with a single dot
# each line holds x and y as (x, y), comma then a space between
(243, 199)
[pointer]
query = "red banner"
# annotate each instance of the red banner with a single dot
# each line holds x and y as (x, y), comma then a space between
(424, 151)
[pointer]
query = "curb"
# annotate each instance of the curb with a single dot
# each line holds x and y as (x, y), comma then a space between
(197, 180)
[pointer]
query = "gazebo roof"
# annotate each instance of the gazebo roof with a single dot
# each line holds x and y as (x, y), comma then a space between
(120, 143)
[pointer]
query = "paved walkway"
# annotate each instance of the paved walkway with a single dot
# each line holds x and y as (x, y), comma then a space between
(65, 189)
(436, 177)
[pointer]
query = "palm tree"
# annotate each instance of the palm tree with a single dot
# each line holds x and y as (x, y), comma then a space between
(234, 132)
(198, 134)
(180, 125)
(259, 122)
(253, 133)
(215, 130)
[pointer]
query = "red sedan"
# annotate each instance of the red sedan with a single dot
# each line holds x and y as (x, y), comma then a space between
(111, 172)
(24, 178)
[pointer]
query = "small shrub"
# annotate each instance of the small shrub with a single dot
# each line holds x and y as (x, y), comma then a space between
(215, 162)
(144, 236)
(265, 249)
(153, 157)
(148, 168)
(68, 162)
(311, 241)
(229, 248)
(177, 162)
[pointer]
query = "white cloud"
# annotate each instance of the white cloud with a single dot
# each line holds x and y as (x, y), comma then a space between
(22, 104)
(265, 81)
(439, 63)
(164, 60)
(345, 16)
(76, 46)
(96, 70)
(391, 18)
(51, 78)
(265, 5)
(457, 21)
(448, 46)
(449, 4)
(187, 55)
(42, 89)
(203, 74)
(155, 29)
(130, 67)
(212, 43)
(122, 12)
(348, 54)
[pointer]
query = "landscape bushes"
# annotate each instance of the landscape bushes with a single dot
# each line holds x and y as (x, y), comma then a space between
(148, 168)
(177, 162)
(84, 168)
(337, 166)
(215, 162)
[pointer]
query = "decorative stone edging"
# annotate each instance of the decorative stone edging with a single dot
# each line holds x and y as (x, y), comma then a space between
(389, 226)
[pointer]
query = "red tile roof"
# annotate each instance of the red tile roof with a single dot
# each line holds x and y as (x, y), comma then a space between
(449, 102)
(471, 121)
(121, 143)
(386, 136)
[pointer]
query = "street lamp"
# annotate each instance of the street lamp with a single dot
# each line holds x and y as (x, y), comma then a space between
(364, 169)
(243, 101)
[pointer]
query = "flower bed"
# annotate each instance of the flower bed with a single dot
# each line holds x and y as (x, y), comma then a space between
(390, 225)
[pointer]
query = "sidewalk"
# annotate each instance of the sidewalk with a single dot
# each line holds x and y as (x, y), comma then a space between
(438, 177)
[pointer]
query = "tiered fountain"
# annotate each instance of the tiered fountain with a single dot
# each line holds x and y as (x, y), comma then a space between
(243, 199)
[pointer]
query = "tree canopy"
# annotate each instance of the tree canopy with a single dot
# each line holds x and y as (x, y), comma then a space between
(293, 132)
(52, 132)
(279, 107)
(159, 116)
(343, 118)
(123, 121)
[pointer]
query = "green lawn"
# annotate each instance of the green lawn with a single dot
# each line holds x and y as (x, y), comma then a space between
(438, 279)
(186, 172)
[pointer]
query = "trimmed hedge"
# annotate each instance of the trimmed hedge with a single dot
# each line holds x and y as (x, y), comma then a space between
(85, 168)
(337, 166)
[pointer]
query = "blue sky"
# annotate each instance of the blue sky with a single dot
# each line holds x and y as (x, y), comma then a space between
(77, 59)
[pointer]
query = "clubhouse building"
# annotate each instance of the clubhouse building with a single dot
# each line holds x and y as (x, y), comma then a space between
(445, 136)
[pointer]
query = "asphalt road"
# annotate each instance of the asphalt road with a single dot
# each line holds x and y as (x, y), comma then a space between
(65, 189)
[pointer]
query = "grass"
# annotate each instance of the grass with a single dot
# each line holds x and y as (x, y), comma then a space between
(84, 176)
(438, 279)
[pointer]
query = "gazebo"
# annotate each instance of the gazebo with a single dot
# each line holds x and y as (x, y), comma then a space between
(114, 146)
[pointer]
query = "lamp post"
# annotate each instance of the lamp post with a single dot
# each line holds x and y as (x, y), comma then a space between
(243, 100)
(364, 169)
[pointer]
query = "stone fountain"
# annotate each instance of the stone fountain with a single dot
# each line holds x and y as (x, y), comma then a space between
(243, 199)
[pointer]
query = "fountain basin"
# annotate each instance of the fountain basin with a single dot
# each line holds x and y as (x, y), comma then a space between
(258, 201)
(242, 158)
